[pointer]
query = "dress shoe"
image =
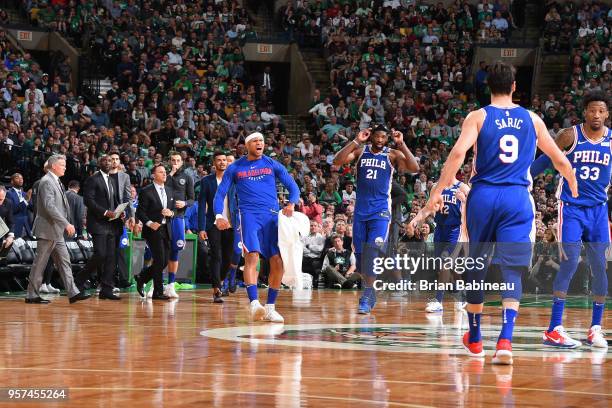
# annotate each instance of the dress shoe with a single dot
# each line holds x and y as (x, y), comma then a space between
(160, 296)
(79, 296)
(108, 296)
(139, 285)
(37, 300)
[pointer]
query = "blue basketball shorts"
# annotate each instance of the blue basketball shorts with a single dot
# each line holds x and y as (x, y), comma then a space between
(177, 236)
(373, 232)
(445, 239)
(501, 215)
(259, 233)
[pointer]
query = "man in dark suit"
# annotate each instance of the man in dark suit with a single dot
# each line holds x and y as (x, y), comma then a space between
(21, 206)
(77, 206)
(121, 182)
(221, 242)
(6, 213)
(155, 209)
(101, 199)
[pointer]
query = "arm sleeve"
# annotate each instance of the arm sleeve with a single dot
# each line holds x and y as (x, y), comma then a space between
(283, 175)
(127, 193)
(202, 206)
(226, 182)
(190, 192)
(9, 216)
(317, 245)
(141, 211)
(539, 165)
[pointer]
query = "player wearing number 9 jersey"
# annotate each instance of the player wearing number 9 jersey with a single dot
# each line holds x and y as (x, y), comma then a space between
(583, 218)
(499, 207)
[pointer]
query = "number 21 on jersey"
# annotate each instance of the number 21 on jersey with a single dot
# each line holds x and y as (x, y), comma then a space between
(371, 174)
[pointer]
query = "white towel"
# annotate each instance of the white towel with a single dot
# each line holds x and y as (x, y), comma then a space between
(290, 231)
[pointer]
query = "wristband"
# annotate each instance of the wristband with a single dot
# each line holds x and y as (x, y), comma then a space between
(356, 142)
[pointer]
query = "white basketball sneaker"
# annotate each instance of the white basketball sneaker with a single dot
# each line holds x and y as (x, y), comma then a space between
(460, 306)
(433, 306)
(559, 338)
(596, 338)
(150, 291)
(257, 311)
(272, 315)
(51, 289)
(43, 289)
(170, 291)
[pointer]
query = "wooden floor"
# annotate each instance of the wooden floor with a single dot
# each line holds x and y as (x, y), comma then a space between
(194, 353)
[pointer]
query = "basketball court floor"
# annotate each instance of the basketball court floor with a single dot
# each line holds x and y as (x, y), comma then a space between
(190, 352)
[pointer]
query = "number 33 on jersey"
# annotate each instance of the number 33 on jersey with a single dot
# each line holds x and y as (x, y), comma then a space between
(591, 162)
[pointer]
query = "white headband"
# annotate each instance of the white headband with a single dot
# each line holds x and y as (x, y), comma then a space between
(254, 136)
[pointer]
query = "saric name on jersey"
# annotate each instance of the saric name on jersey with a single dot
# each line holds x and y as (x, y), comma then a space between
(509, 123)
(591, 156)
(381, 164)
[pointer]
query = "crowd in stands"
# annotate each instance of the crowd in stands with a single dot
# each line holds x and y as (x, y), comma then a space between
(577, 25)
(385, 23)
(178, 82)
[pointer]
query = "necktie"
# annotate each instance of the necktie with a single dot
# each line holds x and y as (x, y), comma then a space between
(164, 203)
(61, 187)
(111, 193)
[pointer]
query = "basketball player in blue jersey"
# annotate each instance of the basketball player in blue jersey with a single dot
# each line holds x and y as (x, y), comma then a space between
(499, 207)
(446, 234)
(376, 164)
(583, 218)
(254, 177)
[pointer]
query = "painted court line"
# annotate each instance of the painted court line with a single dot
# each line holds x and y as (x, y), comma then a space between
(433, 383)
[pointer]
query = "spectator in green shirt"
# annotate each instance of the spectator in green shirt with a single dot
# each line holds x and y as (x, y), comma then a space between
(330, 195)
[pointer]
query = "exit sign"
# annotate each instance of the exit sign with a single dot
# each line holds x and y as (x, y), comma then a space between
(508, 52)
(24, 35)
(264, 48)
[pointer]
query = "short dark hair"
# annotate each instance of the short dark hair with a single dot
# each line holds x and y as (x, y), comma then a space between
(156, 166)
(595, 96)
(218, 153)
(500, 78)
(74, 184)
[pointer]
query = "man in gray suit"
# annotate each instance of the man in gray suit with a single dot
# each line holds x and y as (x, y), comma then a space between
(51, 222)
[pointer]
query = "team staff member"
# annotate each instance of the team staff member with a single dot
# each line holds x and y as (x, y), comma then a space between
(182, 186)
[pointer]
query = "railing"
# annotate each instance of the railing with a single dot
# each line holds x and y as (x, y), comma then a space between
(537, 68)
(18, 159)
(274, 38)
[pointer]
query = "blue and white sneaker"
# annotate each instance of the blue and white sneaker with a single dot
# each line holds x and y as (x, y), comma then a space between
(365, 305)
(367, 301)
(433, 306)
